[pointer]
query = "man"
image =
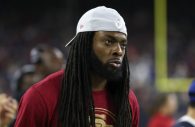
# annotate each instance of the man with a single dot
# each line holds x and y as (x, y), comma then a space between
(188, 120)
(46, 59)
(23, 79)
(163, 110)
(93, 90)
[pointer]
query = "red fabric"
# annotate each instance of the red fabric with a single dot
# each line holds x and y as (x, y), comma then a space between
(159, 120)
(104, 117)
(38, 105)
(135, 109)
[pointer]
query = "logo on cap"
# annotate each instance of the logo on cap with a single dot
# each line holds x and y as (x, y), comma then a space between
(118, 24)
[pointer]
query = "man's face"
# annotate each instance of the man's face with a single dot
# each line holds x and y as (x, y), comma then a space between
(53, 60)
(108, 50)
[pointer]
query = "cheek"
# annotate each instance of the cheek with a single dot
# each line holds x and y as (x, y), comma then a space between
(101, 53)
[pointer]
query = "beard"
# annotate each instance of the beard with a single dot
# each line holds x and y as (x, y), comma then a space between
(104, 70)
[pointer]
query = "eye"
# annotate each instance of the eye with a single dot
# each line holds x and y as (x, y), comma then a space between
(123, 46)
(108, 42)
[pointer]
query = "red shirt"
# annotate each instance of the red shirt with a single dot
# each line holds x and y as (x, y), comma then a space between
(159, 120)
(37, 107)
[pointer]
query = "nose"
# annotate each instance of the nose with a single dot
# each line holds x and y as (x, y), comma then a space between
(117, 50)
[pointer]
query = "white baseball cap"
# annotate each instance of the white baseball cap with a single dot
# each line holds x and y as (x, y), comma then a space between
(100, 19)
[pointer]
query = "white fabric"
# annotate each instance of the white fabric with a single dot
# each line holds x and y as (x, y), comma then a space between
(101, 19)
(187, 119)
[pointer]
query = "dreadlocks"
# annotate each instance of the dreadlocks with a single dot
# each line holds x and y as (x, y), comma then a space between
(76, 107)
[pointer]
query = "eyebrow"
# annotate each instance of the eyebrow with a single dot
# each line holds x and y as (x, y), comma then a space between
(115, 38)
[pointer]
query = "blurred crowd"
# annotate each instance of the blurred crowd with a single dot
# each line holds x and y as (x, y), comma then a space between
(44, 60)
(33, 47)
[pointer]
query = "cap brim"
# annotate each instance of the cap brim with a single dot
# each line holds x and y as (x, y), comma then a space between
(69, 43)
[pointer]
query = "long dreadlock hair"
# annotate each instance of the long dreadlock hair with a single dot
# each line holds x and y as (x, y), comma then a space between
(76, 107)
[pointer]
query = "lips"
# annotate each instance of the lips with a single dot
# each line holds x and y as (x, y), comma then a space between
(115, 62)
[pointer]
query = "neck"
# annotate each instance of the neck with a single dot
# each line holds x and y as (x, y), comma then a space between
(164, 111)
(98, 83)
(191, 112)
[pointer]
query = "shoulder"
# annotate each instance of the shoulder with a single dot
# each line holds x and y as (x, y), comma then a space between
(45, 92)
(133, 99)
(185, 121)
(134, 108)
(183, 124)
(39, 102)
(51, 82)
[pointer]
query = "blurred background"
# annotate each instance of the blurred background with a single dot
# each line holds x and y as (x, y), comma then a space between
(25, 24)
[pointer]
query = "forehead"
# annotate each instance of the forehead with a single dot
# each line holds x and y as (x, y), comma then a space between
(110, 34)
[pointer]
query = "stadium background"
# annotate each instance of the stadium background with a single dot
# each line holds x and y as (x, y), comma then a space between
(24, 24)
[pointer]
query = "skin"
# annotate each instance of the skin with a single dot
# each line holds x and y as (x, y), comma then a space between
(53, 60)
(170, 106)
(191, 112)
(107, 46)
(8, 108)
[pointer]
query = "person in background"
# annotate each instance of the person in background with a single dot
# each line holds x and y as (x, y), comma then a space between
(188, 120)
(163, 109)
(94, 88)
(23, 79)
(8, 108)
(46, 59)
